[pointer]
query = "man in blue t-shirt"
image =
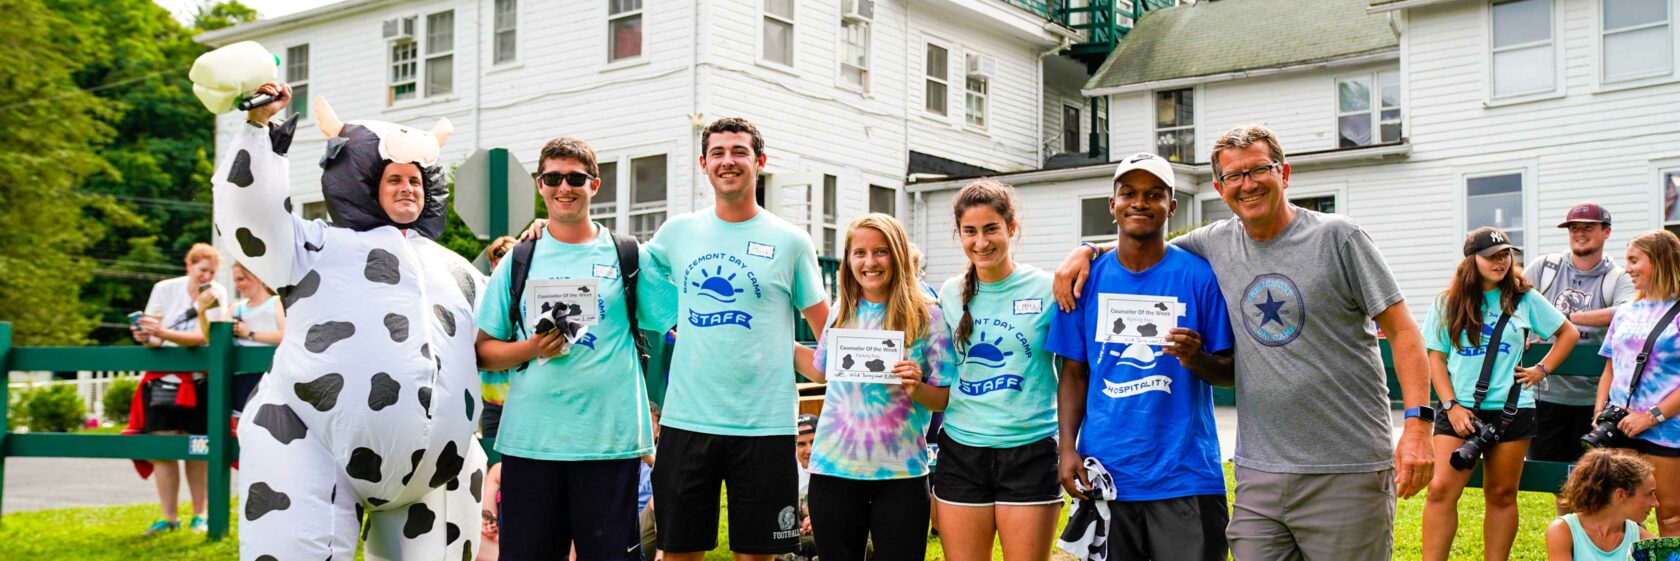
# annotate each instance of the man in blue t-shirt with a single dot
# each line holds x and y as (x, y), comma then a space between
(1151, 327)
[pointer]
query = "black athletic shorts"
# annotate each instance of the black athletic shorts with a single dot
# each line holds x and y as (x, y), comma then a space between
(1558, 431)
(1189, 528)
(167, 418)
(979, 476)
(1643, 446)
(759, 472)
(1522, 425)
(551, 506)
(490, 420)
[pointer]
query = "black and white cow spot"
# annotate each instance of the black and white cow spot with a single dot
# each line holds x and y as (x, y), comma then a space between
(476, 486)
(467, 551)
(448, 465)
(426, 350)
(414, 465)
(382, 267)
(281, 422)
(312, 247)
(384, 392)
(249, 243)
(377, 502)
(262, 499)
(240, 172)
(451, 532)
(287, 204)
(464, 281)
(323, 335)
(365, 465)
(470, 404)
(397, 324)
(425, 395)
(420, 520)
(305, 287)
(320, 393)
(266, 558)
(446, 318)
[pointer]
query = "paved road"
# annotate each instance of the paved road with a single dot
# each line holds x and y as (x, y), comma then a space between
(44, 483)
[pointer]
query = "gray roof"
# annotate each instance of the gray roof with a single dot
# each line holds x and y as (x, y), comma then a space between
(1223, 36)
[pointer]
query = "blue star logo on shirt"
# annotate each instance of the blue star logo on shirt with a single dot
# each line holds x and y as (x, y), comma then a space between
(1269, 310)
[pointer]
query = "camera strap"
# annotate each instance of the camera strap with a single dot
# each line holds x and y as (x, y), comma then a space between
(1488, 358)
(1642, 360)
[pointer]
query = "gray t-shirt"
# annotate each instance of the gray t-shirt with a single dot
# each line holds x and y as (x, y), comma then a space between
(1312, 395)
(1573, 290)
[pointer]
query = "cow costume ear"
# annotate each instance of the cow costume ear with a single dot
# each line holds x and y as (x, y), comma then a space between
(326, 118)
(442, 130)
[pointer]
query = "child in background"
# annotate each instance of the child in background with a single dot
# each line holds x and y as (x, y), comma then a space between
(1612, 492)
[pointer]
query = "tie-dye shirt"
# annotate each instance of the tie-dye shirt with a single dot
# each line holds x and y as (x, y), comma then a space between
(876, 431)
(1622, 343)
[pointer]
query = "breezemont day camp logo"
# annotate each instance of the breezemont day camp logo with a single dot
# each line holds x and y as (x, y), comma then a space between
(1273, 310)
(987, 352)
(720, 282)
(1487, 337)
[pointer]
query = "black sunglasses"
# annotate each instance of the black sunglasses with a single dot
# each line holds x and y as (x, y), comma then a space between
(575, 179)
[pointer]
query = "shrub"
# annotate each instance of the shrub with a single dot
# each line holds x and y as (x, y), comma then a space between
(54, 408)
(118, 398)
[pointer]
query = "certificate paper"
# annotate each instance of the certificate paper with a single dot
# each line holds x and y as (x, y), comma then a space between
(1136, 319)
(864, 355)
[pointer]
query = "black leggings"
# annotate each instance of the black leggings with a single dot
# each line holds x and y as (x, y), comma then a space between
(847, 514)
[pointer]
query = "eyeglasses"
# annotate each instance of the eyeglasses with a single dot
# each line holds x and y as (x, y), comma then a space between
(575, 179)
(1258, 173)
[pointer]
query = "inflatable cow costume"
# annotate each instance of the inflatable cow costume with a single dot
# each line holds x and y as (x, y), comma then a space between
(370, 404)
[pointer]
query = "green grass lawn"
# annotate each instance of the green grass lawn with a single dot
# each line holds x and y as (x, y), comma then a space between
(113, 533)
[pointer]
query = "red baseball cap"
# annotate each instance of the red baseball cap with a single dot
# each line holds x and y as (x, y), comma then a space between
(1586, 212)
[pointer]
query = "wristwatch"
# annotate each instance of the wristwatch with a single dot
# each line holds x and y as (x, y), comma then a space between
(1424, 412)
(1656, 413)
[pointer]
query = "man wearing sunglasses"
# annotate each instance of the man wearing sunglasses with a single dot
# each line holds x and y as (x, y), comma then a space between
(575, 426)
(1315, 475)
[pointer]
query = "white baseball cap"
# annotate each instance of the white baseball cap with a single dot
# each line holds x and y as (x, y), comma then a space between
(1151, 163)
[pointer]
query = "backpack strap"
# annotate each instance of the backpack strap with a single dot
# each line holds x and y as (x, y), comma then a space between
(1607, 286)
(1549, 273)
(629, 272)
(518, 270)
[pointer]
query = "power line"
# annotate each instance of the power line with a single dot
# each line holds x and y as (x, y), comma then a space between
(192, 205)
(100, 87)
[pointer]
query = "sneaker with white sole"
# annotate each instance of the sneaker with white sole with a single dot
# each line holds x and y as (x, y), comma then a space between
(162, 526)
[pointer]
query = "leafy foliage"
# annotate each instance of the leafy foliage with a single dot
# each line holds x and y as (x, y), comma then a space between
(119, 398)
(51, 408)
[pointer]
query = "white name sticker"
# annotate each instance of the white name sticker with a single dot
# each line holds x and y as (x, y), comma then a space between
(606, 272)
(756, 249)
(1029, 306)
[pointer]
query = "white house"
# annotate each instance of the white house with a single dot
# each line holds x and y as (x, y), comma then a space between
(852, 96)
(1420, 119)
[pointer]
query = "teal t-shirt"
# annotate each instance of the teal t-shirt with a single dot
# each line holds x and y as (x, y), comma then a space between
(590, 404)
(1005, 394)
(1534, 315)
(740, 286)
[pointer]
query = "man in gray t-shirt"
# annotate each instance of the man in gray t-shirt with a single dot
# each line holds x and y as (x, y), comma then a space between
(1586, 286)
(1315, 476)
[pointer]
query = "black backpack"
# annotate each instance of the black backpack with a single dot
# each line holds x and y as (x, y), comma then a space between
(629, 268)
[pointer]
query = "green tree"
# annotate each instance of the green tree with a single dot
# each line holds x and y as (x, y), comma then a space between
(47, 148)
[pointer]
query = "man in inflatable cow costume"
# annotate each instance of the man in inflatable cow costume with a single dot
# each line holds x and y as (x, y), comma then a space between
(371, 402)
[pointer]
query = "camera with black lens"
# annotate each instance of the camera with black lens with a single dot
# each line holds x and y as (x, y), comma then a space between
(1484, 436)
(1604, 427)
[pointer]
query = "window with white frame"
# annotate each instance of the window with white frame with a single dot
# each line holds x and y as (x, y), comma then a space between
(624, 29)
(647, 195)
(1671, 199)
(938, 73)
(297, 76)
(831, 215)
(883, 200)
(1367, 115)
(440, 53)
(778, 32)
(854, 62)
(1637, 39)
(1096, 221)
(603, 207)
(405, 71)
(1175, 125)
(1070, 129)
(1322, 203)
(1495, 200)
(315, 211)
(506, 22)
(1524, 49)
(978, 82)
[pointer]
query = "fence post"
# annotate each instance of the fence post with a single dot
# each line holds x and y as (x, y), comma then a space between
(221, 391)
(5, 399)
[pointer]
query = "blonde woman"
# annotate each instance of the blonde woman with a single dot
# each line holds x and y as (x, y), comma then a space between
(1645, 404)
